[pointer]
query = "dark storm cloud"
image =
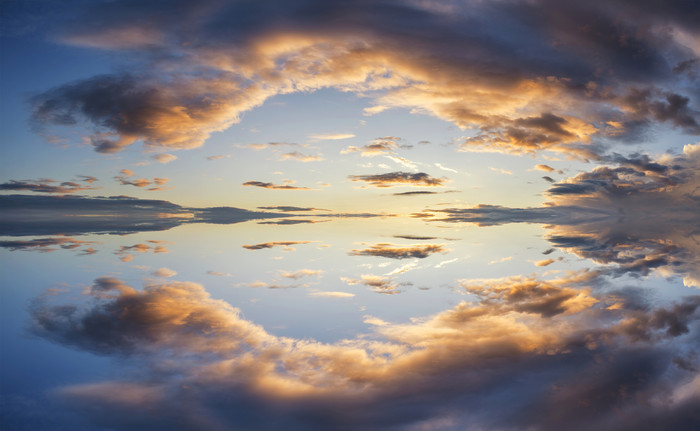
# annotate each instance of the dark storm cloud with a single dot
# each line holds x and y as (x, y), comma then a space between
(393, 251)
(273, 186)
(45, 186)
(525, 349)
(394, 179)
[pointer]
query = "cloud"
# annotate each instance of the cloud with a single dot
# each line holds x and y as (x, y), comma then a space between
(288, 208)
(288, 221)
(126, 253)
(295, 155)
(503, 171)
(639, 217)
(415, 193)
(219, 156)
(47, 186)
(378, 147)
(263, 284)
(52, 215)
(532, 295)
(393, 179)
(403, 269)
(286, 244)
(165, 157)
(416, 237)
(332, 294)
(501, 260)
(126, 108)
(295, 275)
(403, 162)
(87, 178)
(446, 262)
(332, 136)
(45, 245)
(274, 186)
(373, 110)
(125, 178)
(559, 338)
(258, 147)
(444, 168)
(164, 272)
(399, 252)
(570, 72)
(377, 283)
(545, 168)
(493, 215)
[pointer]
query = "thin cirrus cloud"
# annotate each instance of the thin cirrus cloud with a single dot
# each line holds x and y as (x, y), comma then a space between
(522, 326)
(393, 179)
(445, 168)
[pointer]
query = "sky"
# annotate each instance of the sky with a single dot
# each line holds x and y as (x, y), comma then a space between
(340, 215)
